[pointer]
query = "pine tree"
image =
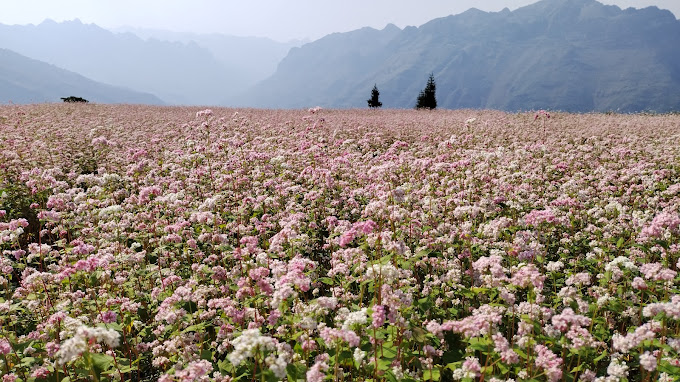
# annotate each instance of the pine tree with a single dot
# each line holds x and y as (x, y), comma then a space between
(374, 101)
(426, 98)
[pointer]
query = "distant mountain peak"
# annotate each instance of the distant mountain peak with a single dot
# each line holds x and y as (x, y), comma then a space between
(391, 27)
(473, 10)
(25, 80)
(49, 21)
(181, 68)
(572, 55)
(575, 3)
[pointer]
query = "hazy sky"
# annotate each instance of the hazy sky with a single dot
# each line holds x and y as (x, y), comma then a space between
(278, 19)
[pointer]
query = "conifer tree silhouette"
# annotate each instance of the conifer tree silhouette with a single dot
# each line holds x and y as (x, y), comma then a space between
(426, 98)
(375, 95)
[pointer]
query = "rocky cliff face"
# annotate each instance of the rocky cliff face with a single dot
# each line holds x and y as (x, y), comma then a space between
(572, 55)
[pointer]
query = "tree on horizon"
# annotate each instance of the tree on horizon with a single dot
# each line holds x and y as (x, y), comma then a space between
(374, 102)
(427, 98)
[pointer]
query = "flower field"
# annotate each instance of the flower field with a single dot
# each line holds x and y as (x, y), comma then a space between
(179, 244)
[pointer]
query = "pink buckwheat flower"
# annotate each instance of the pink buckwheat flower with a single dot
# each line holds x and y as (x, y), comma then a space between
(648, 361)
(108, 317)
(502, 346)
(632, 340)
(471, 367)
(671, 309)
(40, 372)
(661, 222)
(5, 347)
(549, 362)
(639, 283)
(537, 217)
(378, 316)
(567, 318)
(204, 113)
(316, 372)
(194, 371)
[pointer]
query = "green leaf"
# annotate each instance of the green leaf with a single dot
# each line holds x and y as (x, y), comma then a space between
(663, 244)
(386, 259)
(521, 353)
(419, 334)
(425, 303)
(195, 328)
(389, 351)
(124, 369)
(452, 365)
(27, 361)
(326, 280)
(114, 325)
(390, 376)
(226, 367)
(101, 362)
(422, 253)
(665, 367)
(270, 377)
(206, 355)
(384, 364)
(504, 369)
(295, 372)
(431, 375)
(619, 243)
(480, 344)
(600, 357)
(345, 355)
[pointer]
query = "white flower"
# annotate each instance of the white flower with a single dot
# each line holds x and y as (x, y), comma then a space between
(107, 211)
(554, 266)
(277, 160)
(70, 350)
(602, 300)
(388, 272)
(648, 361)
(359, 355)
(246, 344)
(109, 337)
(358, 317)
(620, 262)
(617, 369)
(73, 347)
(277, 365)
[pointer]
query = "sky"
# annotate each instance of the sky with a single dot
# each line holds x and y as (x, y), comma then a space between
(281, 20)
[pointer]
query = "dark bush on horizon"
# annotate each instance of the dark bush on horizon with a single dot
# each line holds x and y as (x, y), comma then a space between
(73, 99)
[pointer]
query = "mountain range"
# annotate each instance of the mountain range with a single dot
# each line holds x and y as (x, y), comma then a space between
(25, 80)
(571, 55)
(248, 60)
(194, 70)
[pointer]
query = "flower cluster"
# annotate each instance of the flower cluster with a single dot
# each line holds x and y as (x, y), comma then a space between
(179, 244)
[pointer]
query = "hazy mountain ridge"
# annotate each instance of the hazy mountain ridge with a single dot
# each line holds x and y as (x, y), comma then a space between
(253, 58)
(574, 55)
(349, 52)
(24, 80)
(184, 72)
